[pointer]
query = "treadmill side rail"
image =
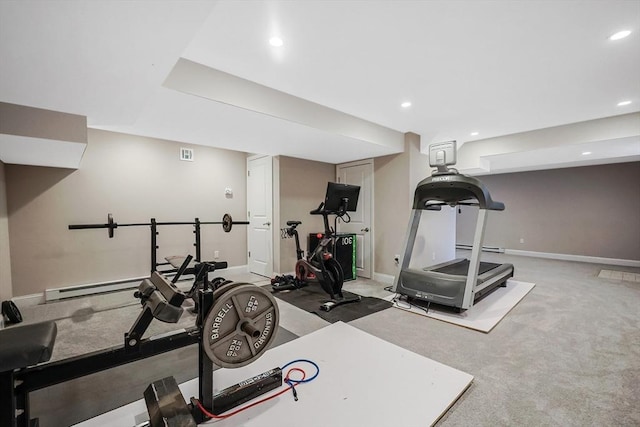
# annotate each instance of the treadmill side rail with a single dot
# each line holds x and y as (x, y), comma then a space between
(472, 274)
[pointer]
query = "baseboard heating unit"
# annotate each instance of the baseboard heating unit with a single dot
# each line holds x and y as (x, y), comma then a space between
(484, 248)
(57, 294)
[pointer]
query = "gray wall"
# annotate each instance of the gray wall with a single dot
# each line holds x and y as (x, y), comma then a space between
(134, 178)
(395, 179)
(435, 240)
(590, 211)
(5, 258)
(303, 184)
(392, 205)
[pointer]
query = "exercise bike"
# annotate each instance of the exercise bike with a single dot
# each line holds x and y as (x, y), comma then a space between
(320, 267)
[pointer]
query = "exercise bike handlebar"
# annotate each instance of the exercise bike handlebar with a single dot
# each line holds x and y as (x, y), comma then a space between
(319, 210)
(340, 212)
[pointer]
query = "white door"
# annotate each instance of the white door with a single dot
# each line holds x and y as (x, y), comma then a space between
(260, 215)
(360, 173)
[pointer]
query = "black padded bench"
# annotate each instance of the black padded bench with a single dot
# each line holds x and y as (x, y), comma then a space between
(20, 347)
(26, 345)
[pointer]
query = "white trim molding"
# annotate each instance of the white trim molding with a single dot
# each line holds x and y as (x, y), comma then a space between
(579, 258)
(57, 294)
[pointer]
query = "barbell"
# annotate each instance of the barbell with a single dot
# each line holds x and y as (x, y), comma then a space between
(227, 223)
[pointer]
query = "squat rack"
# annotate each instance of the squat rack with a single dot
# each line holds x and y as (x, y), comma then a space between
(227, 224)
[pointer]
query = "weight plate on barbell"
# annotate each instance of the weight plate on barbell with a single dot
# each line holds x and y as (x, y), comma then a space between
(240, 325)
(110, 225)
(227, 223)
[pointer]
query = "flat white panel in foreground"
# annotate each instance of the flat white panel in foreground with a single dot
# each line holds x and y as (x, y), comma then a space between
(486, 314)
(363, 381)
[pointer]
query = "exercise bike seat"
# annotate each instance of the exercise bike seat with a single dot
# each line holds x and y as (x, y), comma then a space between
(293, 223)
(26, 345)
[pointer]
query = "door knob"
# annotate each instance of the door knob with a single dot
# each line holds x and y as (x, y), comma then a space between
(366, 230)
(267, 223)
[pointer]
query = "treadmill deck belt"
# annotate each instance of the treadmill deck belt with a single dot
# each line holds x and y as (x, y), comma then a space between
(462, 268)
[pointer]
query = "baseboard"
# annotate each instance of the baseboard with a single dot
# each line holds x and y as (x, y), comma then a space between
(385, 279)
(484, 248)
(56, 294)
(29, 300)
(579, 258)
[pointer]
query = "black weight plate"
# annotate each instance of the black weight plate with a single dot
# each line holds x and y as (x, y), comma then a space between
(227, 222)
(10, 310)
(338, 276)
(219, 281)
(240, 325)
(110, 224)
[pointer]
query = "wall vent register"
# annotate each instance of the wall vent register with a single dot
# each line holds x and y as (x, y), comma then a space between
(186, 154)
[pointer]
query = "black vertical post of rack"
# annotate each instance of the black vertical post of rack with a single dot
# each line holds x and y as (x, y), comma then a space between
(9, 404)
(205, 365)
(197, 244)
(154, 245)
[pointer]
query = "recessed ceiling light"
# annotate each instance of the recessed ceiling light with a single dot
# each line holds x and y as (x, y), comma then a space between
(474, 133)
(620, 35)
(405, 104)
(276, 41)
(586, 153)
(623, 103)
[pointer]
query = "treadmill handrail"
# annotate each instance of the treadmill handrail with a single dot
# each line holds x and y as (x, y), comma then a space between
(454, 189)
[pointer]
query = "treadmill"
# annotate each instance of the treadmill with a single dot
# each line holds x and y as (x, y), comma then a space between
(458, 283)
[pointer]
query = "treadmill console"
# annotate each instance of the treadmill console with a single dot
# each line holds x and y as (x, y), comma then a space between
(442, 154)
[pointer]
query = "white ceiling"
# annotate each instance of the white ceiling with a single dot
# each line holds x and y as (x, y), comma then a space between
(615, 150)
(495, 67)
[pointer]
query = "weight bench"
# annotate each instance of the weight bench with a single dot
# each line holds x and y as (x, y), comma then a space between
(31, 344)
(22, 346)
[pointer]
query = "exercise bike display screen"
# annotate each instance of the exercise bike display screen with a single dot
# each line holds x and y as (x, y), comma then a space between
(336, 192)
